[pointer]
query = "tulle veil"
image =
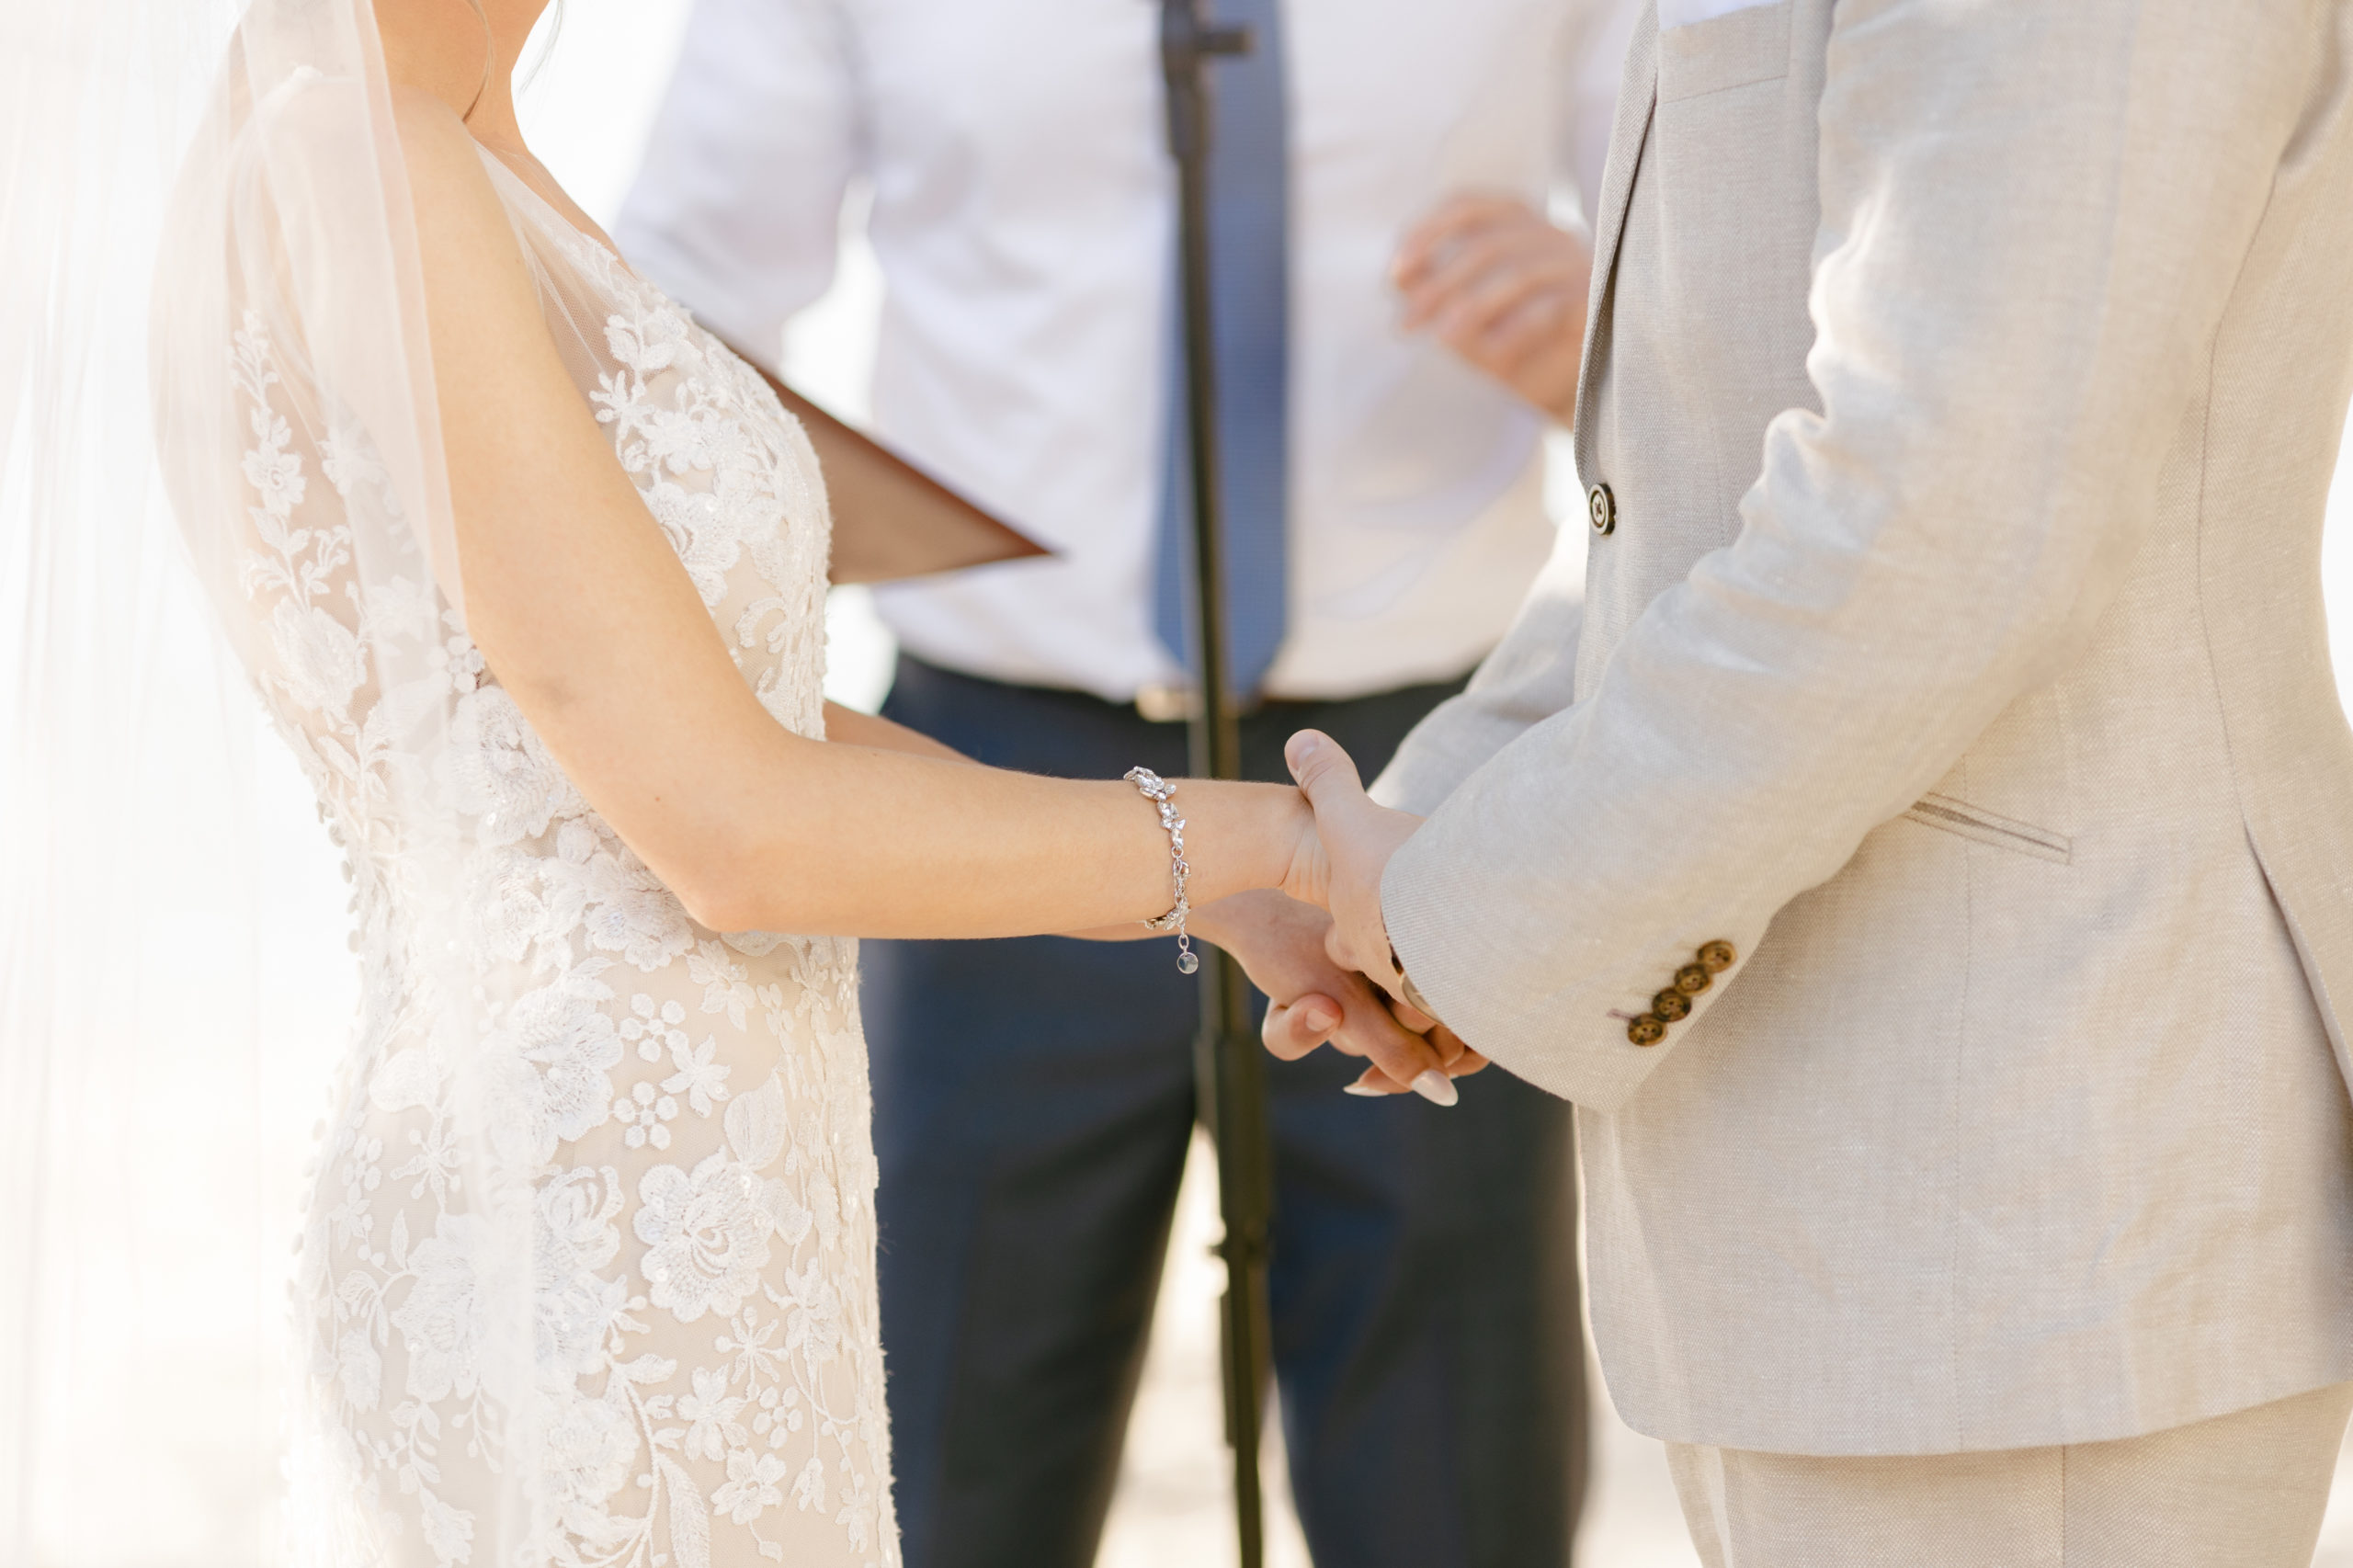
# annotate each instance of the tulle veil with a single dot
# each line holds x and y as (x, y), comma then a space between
(219, 471)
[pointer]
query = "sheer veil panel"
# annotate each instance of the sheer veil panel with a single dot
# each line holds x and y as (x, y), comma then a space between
(136, 1425)
(211, 357)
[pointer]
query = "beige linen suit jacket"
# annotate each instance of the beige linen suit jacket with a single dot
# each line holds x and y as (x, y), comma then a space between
(1966, 379)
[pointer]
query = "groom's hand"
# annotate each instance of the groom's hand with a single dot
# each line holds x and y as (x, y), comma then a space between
(1341, 868)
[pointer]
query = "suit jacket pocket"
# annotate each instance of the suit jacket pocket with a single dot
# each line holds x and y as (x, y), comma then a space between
(1749, 45)
(2004, 833)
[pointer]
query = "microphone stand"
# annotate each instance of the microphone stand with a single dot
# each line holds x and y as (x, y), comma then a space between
(1229, 1071)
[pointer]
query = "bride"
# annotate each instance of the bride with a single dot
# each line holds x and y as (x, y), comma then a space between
(530, 572)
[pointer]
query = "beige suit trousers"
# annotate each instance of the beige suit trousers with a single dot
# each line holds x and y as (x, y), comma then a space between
(2244, 1490)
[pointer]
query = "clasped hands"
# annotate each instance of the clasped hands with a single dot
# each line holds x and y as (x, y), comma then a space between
(1320, 949)
(1496, 282)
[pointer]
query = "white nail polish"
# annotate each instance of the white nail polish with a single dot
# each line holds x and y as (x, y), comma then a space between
(1366, 1091)
(1435, 1087)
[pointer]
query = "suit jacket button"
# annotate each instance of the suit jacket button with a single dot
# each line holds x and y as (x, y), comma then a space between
(1717, 956)
(1646, 1030)
(1671, 1006)
(1602, 507)
(1693, 979)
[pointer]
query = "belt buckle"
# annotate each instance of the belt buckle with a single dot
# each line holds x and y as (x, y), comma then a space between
(1165, 703)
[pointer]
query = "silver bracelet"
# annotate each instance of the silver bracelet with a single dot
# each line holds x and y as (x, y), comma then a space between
(1159, 791)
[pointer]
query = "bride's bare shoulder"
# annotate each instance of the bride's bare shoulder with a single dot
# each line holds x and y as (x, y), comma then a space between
(441, 154)
(464, 234)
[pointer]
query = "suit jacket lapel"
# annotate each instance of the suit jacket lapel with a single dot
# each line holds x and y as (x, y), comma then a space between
(1637, 99)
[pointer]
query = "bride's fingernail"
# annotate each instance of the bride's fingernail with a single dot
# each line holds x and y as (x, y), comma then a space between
(1435, 1087)
(1365, 1091)
(1316, 1019)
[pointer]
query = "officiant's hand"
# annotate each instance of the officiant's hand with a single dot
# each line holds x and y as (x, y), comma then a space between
(1313, 1002)
(1341, 868)
(1505, 288)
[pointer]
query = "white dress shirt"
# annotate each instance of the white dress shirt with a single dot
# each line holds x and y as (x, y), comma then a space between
(1022, 218)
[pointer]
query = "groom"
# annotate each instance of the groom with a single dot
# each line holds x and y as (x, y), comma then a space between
(1927, 858)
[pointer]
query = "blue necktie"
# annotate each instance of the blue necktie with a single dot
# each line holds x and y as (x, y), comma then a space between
(1249, 178)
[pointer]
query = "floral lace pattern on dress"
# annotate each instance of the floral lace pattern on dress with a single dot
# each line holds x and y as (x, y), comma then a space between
(687, 1111)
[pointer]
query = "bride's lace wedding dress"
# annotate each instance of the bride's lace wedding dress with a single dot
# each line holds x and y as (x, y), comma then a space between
(689, 1108)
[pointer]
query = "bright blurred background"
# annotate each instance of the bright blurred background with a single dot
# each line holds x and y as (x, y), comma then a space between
(586, 110)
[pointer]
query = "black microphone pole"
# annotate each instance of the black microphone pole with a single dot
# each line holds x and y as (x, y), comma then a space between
(1228, 1068)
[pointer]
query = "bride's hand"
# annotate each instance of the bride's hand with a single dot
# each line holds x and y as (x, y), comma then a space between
(1313, 1002)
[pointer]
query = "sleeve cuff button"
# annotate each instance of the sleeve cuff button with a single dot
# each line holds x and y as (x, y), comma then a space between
(1673, 1005)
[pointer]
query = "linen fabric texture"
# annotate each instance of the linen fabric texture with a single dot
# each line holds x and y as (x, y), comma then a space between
(2245, 1490)
(1967, 382)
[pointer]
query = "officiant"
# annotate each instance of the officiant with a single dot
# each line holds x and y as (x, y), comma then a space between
(1034, 1099)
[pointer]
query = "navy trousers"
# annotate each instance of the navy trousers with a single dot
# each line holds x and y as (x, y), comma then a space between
(1033, 1107)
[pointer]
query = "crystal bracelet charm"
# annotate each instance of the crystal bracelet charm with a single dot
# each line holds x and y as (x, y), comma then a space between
(1160, 793)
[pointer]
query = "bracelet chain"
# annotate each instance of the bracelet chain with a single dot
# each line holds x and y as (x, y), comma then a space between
(1162, 793)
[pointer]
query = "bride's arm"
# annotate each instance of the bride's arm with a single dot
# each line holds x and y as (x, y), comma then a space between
(852, 727)
(592, 626)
